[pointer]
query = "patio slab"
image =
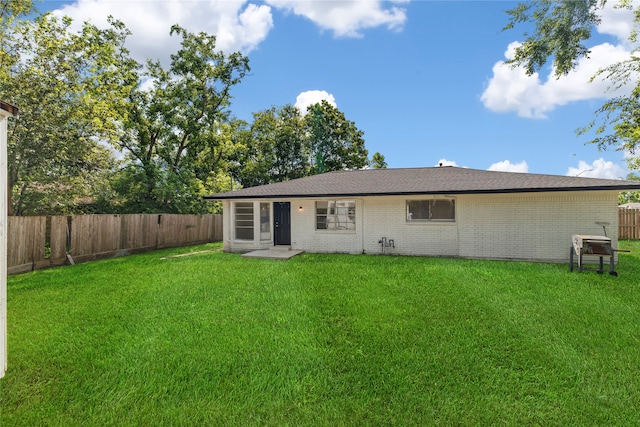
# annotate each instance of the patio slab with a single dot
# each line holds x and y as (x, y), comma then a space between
(273, 253)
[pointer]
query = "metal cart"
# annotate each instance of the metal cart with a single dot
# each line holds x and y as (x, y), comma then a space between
(592, 246)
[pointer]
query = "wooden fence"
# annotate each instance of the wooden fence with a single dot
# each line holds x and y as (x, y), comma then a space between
(44, 241)
(629, 224)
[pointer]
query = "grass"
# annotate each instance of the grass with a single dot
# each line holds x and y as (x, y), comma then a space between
(215, 339)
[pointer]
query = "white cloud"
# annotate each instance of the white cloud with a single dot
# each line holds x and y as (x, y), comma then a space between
(598, 169)
(238, 27)
(510, 89)
(507, 166)
(617, 21)
(312, 97)
(347, 18)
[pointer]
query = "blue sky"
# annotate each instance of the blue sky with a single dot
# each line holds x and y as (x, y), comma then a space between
(422, 79)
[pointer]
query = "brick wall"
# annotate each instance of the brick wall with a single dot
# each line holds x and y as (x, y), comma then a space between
(535, 226)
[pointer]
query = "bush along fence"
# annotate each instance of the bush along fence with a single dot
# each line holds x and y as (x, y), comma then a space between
(629, 224)
(46, 241)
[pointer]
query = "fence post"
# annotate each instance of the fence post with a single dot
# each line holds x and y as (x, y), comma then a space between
(124, 230)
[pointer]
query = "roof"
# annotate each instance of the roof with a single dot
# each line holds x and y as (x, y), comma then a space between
(12, 110)
(414, 181)
(630, 206)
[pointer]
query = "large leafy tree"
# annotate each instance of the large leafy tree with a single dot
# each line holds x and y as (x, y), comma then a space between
(281, 145)
(69, 87)
(336, 143)
(174, 134)
(561, 29)
(273, 149)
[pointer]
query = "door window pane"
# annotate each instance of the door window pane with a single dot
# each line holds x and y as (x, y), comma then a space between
(265, 221)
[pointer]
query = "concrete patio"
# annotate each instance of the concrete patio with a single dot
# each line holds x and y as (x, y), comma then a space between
(277, 252)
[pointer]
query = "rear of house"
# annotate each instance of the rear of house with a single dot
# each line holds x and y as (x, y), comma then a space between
(446, 211)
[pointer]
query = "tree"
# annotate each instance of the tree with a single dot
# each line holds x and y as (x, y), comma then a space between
(629, 196)
(281, 145)
(561, 27)
(378, 161)
(336, 143)
(69, 88)
(273, 149)
(173, 133)
(10, 10)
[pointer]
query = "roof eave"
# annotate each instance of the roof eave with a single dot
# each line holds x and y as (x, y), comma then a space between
(10, 109)
(231, 196)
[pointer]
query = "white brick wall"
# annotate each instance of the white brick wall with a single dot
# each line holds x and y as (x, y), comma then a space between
(386, 217)
(305, 236)
(534, 226)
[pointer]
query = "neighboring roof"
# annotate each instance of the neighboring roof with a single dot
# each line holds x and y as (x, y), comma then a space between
(11, 109)
(630, 206)
(437, 180)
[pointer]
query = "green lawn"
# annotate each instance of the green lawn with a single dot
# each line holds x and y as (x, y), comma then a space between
(216, 339)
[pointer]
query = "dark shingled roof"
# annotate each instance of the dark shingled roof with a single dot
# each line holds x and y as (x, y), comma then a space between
(437, 180)
(11, 109)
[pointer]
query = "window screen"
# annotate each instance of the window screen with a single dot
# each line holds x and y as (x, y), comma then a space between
(431, 210)
(336, 215)
(244, 221)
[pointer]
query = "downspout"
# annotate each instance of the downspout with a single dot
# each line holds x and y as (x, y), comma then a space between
(362, 228)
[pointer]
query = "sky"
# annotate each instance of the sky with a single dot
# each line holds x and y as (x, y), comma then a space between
(424, 80)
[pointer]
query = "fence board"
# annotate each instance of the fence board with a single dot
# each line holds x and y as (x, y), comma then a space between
(88, 237)
(629, 224)
(139, 231)
(58, 237)
(26, 240)
(94, 234)
(177, 230)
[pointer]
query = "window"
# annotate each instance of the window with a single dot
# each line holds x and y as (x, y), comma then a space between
(431, 210)
(265, 221)
(244, 220)
(336, 215)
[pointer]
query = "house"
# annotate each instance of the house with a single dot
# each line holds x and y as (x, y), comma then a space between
(6, 111)
(440, 211)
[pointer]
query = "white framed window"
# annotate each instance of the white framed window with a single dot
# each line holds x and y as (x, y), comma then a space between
(336, 215)
(431, 210)
(243, 220)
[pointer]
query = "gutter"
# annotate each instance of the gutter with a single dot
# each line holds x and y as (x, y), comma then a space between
(231, 196)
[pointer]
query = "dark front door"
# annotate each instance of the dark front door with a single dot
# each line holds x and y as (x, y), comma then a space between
(282, 223)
